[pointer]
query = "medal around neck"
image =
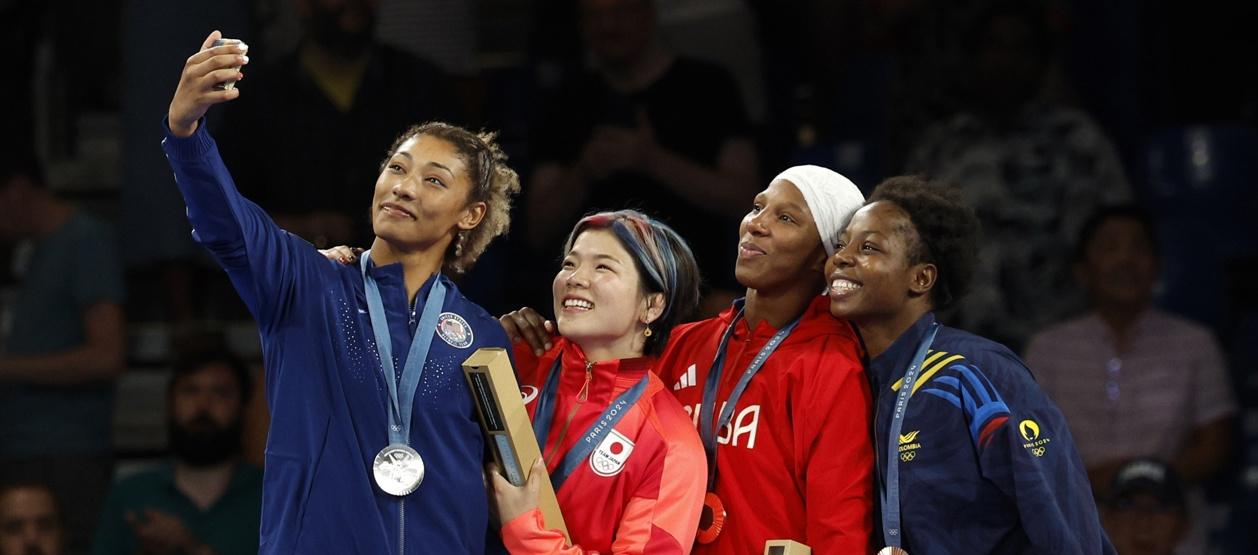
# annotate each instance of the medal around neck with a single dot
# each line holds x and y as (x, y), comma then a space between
(891, 550)
(711, 519)
(398, 469)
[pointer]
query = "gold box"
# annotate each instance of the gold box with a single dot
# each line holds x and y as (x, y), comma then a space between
(786, 547)
(507, 427)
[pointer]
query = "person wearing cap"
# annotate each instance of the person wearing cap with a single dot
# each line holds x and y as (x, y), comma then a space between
(784, 412)
(1145, 513)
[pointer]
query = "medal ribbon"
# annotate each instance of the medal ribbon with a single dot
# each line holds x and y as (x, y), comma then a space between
(891, 495)
(545, 414)
(707, 431)
(400, 408)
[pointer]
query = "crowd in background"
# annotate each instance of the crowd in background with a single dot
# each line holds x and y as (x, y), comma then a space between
(1108, 151)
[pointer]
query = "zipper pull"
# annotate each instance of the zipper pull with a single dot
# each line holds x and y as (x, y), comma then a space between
(585, 389)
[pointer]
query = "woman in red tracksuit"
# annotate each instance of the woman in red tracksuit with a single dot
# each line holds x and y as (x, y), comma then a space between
(627, 466)
(785, 407)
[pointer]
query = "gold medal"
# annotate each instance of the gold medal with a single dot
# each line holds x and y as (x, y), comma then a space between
(890, 550)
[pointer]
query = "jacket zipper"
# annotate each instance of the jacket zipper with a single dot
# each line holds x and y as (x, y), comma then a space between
(582, 396)
(589, 377)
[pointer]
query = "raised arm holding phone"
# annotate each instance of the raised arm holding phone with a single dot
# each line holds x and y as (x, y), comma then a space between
(374, 445)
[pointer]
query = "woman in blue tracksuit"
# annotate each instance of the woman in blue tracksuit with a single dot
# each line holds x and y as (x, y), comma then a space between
(374, 445)
(972, 456)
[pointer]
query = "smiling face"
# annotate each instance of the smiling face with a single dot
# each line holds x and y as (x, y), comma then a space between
(779, 245)
(874, 277)
(421, 196)
(599, 300)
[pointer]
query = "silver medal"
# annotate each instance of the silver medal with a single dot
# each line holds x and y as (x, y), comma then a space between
(398, 469)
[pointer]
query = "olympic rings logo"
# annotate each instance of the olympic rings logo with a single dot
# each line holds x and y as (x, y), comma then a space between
(1039, 451)
(908, 456)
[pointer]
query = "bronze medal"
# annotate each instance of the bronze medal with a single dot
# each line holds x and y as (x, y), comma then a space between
(712, 519)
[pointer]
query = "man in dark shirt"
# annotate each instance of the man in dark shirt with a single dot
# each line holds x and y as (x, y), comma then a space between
(206, 501)
(646, 130)
(308, 130)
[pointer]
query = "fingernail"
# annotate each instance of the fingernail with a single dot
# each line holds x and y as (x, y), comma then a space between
(244, 59)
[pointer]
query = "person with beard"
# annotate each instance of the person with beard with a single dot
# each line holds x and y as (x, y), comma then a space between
(30, 520)
(206, 500)
(312, 126)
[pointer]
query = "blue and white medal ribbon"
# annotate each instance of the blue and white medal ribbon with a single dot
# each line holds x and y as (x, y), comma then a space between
(544, 415)
(398, 468)
(891, 530)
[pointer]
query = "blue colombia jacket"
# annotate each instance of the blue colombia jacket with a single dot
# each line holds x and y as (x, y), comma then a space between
(987, 463)
(326, 389)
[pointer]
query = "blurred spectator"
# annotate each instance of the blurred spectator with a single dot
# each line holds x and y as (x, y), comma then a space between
(179, 281)
(723, 32)
(449, 31)
(206, 500)
(1033, 171)
(1146, 514)
(305, 137)
(648, 130)
(1132, 380)
(30, 521)
(64, 347)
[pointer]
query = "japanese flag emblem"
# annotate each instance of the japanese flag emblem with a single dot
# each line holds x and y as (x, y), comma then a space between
(608, 459)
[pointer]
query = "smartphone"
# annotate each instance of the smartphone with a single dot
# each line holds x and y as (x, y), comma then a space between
(226, 85)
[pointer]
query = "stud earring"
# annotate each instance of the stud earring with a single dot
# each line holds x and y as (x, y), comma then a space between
(458, 244)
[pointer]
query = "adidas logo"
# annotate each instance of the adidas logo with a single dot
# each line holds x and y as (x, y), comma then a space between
(687, 379)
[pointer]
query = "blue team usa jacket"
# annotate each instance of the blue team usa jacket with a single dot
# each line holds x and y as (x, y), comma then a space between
(326, 390)
(987, 464)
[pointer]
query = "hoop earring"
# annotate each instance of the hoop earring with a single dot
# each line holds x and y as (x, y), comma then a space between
(458, 244)
(647, 332)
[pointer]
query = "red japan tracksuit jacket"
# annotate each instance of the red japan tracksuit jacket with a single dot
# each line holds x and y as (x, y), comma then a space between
(796, 460)
(647, 494)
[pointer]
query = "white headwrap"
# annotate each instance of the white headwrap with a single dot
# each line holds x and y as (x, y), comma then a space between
(831, 198)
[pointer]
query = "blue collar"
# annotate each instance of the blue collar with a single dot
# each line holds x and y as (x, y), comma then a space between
(889, 366)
